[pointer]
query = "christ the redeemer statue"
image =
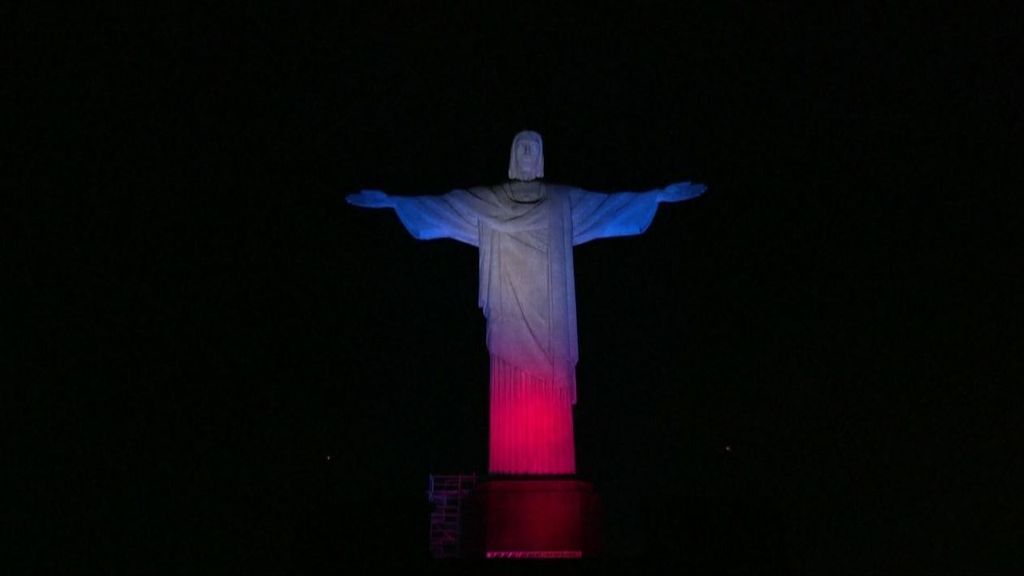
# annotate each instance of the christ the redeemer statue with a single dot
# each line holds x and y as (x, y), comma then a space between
(525, 230)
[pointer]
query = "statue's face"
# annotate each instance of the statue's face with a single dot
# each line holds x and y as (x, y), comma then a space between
(528, 156)
(526, 162)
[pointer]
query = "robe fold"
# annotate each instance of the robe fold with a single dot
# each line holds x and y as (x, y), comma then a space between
(525, 232)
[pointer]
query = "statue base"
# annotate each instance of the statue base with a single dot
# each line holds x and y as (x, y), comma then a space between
(533, 518)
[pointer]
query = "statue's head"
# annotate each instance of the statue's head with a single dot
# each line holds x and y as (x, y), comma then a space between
(526, 161)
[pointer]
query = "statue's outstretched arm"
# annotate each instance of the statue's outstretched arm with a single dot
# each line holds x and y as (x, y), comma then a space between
(452, 215)
(600, 215)
(680, 191)
(370, 199)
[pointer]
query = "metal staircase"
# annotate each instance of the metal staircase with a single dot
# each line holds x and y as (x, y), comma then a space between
(446, 493)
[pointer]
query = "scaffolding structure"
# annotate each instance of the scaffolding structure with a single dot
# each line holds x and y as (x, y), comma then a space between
(446, 493)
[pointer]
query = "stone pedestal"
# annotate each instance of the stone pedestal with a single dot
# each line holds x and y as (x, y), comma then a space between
(533, 518)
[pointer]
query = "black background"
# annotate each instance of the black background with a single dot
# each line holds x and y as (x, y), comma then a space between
(220, 365)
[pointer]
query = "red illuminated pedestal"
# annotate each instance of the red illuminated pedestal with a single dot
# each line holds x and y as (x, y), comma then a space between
(533, 518)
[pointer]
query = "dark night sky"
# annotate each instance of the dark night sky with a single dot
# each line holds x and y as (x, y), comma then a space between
(221, 365)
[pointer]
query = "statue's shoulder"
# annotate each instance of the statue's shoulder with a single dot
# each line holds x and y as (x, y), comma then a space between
(558, 192)
(482, 191)
(553, 188)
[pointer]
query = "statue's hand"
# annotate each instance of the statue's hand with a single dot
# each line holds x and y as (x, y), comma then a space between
(681, 191)
(370, 199)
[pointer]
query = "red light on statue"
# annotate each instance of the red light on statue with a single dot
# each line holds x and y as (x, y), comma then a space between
(531, 423)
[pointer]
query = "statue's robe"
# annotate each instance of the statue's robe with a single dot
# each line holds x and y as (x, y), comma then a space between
(525, 232)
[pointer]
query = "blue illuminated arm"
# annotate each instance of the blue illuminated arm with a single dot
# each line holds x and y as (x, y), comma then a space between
(597, 215)
(452, 215)
(370, 199)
